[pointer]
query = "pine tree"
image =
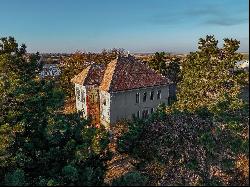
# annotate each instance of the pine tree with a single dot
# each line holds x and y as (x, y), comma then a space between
(208, 76)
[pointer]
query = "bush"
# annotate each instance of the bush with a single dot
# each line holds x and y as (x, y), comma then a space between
(16, 178)
(131, 179)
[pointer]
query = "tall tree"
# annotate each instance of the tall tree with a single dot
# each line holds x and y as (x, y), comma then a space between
(208, 76)
(38, 145)
(173, 71)
(158, 62)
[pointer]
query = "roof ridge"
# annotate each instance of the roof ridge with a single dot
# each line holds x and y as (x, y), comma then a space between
(108, 74)
(87, 74)
(77, 78)
(116, 62)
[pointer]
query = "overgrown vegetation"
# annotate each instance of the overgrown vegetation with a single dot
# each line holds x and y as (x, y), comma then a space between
(184, 148)
(202, 139)
(38, 145)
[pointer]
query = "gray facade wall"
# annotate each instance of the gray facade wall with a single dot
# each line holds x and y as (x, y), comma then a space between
(123, 104)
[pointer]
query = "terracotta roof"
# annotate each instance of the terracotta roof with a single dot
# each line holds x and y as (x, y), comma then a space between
(108, 75)
(125, 73)
(80, 78)
(95, 75)
(92, 75)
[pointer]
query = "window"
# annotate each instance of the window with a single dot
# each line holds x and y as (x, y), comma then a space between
(138, 114)
(159, 94)
(104, 101)
(82, 96)
(152, 95)
(144, 96)
(152, 110)
(145, 113)
(78, 96)
(137, 97)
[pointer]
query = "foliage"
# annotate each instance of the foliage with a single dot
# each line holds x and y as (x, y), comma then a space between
(184, 148)
(39, 145)
(158, 62)
(128, 141)
(208, 76)
(173, 70)
(199, 141)
(131, 179)
(166, 64)
(15, 178)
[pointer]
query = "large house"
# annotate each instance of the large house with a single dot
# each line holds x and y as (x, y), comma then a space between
(123, 89)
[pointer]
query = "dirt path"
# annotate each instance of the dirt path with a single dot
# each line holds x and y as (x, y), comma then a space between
(120, 163)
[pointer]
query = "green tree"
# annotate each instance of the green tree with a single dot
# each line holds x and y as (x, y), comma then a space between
(131, 179)
(38, 144)
(173, 71)
(15, 178)
(158, 62)
(208, 76)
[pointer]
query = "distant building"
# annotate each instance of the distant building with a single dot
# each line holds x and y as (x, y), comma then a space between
(50, 70)
(123, 89)
(243, 64)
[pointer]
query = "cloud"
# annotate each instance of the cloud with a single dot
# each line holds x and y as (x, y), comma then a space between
(206, 15)
(223, 21)
(219, 16)
(204, 11)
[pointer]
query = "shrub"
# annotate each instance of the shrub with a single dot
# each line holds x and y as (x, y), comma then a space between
(131, 179)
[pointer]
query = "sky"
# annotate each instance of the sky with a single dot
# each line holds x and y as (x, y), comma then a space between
(135, 25)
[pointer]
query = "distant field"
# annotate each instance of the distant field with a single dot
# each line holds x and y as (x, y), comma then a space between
(245, 56)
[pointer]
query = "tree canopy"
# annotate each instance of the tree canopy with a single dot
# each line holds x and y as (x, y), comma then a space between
(39, 145)
(208, 75)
